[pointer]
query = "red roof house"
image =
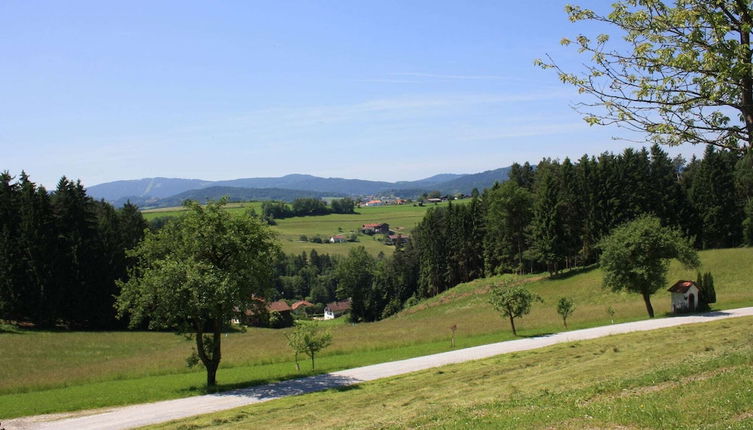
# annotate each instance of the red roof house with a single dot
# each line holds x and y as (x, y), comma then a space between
(301, 303)
(279, 306)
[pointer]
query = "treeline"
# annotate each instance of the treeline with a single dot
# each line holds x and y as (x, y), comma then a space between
(377, 286)
(552, 217)
(272, 210)
(61, 252)
(547, 218)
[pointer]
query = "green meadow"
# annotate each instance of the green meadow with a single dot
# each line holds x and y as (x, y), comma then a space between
(698, 376)
(401, 219)
(43, 372)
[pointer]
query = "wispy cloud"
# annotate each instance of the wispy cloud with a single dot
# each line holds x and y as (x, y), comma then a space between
(457, 76)
(525, 130)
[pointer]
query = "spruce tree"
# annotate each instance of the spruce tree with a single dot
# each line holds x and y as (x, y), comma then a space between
(546, 225)
(714, 197)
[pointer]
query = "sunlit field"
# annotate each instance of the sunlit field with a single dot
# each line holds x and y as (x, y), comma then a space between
(631, 381)
(401, 219)
(56, 371)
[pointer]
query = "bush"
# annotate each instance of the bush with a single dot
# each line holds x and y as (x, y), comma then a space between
(280, 319)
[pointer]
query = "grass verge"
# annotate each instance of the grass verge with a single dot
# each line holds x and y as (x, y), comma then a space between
(44, 372)
(695, 376)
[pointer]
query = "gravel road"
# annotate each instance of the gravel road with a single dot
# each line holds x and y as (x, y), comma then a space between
(152, 413)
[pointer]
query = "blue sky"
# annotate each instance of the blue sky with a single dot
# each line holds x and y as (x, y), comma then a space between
(383, 90)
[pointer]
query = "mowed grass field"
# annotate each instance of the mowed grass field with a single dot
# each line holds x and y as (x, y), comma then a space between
(58, 371)
(691, 377)
(402, 219)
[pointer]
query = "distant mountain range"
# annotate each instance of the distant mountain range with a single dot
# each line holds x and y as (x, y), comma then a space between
(164, 192)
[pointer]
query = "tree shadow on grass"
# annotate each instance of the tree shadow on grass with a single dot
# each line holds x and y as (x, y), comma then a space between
(572, 272)
(292, 387)
(709, 314)
(534, 336)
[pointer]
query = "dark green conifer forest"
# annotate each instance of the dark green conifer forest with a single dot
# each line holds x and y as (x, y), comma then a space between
(61, 252)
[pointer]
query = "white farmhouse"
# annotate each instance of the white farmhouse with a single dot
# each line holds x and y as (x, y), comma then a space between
(684, 296)
(335, 309)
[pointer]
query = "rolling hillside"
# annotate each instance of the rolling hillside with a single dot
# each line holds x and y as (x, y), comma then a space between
(237, 194)
(164, 192)
(56, 371)
(629, 381)
(289, 230)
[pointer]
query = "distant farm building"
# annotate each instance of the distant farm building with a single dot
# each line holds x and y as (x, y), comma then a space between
(382, 228)
(259, 313)
(374, 203)
(396, 239)
(684, 296)
(434, 200)
(335, 309)
(338, 238)
(301, 304)
(279, 306)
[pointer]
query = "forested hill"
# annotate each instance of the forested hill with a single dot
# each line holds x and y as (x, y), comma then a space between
(480, 181)
(152, 191)
(155, 188)
(236, 194)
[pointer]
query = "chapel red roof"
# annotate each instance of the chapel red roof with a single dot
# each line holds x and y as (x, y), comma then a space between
(682, 287)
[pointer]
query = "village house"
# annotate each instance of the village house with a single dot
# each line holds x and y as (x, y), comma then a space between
(375, 228)
(338, 238)
(299, 308)
(335, 309)
(301, 304)
(258, 313)
(684, 296)
(396, 239)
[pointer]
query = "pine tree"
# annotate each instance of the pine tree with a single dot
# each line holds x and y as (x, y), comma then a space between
(38, 248)
(546, 225)
(714, 197)
(507, 218)
(572, 213)
(76, 288)
(523, 175)
(586, 200)
(430, 237)
(10, 268)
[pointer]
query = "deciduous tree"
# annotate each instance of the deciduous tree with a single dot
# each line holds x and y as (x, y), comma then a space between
(512, 301)
(565, 308)
(636, 256)
(683, 72)
(194, 275)
(308, 338)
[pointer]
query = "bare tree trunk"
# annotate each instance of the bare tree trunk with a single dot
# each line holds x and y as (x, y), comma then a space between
(211, 360)
(512, 323)
(649, 308)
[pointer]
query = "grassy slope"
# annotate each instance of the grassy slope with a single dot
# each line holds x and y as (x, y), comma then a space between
(400, 219)
(47, 372)
(697, 376)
